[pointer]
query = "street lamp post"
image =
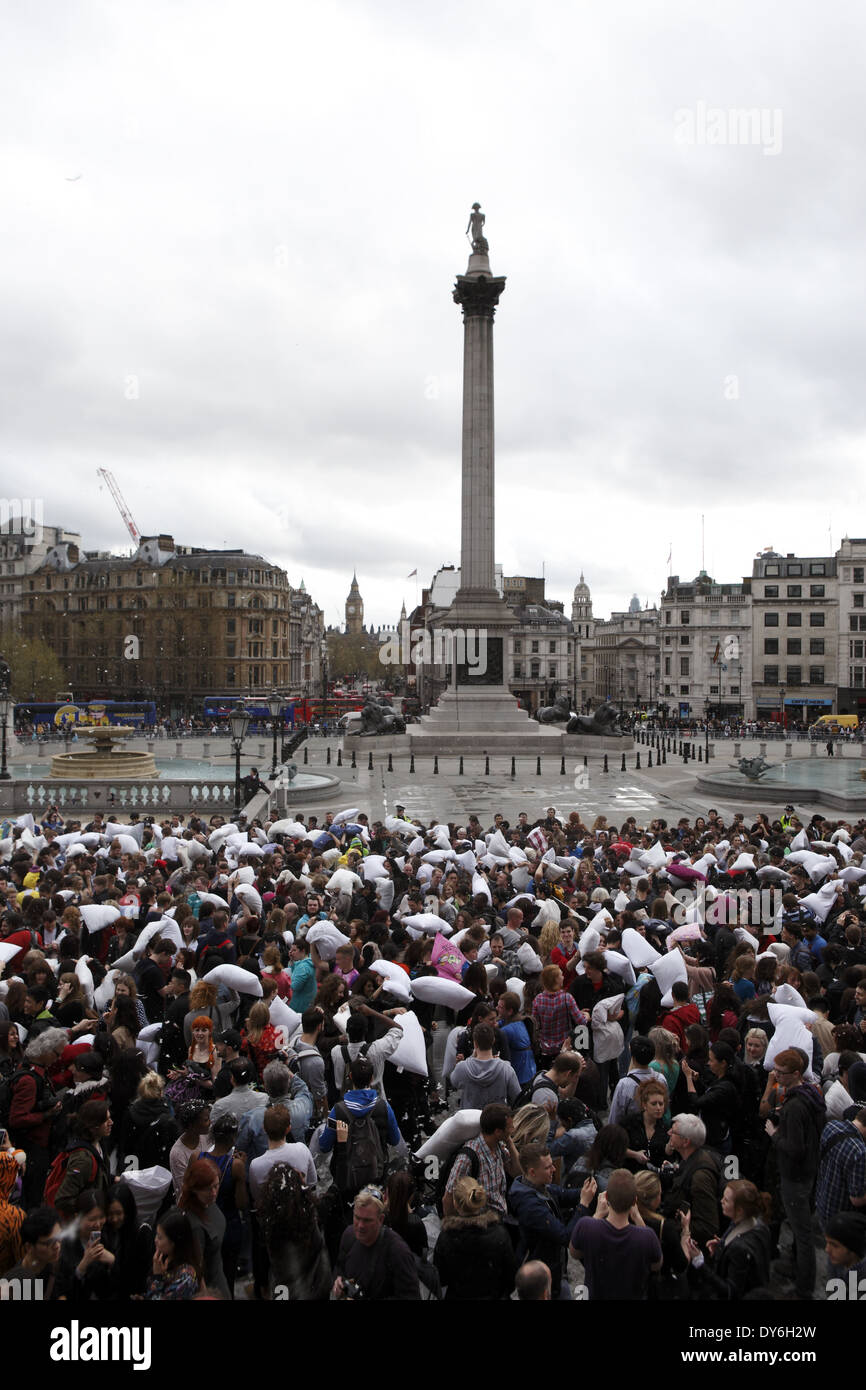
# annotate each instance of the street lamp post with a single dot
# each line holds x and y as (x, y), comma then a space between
(275, 706)
(707, 729)
(782, 706)
(5, 711)
(239, 722)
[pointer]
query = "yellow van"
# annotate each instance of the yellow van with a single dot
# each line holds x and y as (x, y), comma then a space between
(835, 723)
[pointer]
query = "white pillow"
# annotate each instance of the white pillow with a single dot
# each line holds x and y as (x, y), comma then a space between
(250, 895)
(351, 814)
(791, 1031)
(97, 916)
(292, 828)
(398, 980)
(456, 1130)
(620, 965)
(516, 986)
(237, 979)
(82, 970)
(590, 941)
(435, 989)
(667, 970)
(411, 1054)
(425, 922)
(638, 949)
(480, 885)
(497, 844)
(284, 1017)
(373, 867)
(104, 993)
(654, 857)
(326, 938)
(530, 961)
(343, 881)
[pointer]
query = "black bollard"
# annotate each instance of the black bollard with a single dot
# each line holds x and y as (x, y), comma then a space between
(622, 769)
(306, 759)
(605, 762)
(637, 763)
(585, 760)
(435, 764)
(390, 762)
(562, 767)
(664, 755)
(339, 757)
(460, 768)
(513, 768)
(538, 767)
(370, 761)
(700, 754)
(328, 757)
(650, 759)
(354, 763)
(411, 762)
(487, 765)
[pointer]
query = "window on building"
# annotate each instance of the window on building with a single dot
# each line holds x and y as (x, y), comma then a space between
(816, 675)
(816, 646)
(771, 620)
(551, 670)
(857, 600)
(685, 638)
(552, 647)
(795, 591)
(518, 669)
(668, 617)
(714, 690)
(684, 665)
(230, 624)
(816, 619)
(230, 675)
(667, 665)
(535, 646)
(794, 646)
(684, 690)
(230, 600)
(518, 646)
(771, 569)
(771, 591)
(794, 569)
(795, 619)
(855, 649)
(771, 675)
(230, 649)
(858, 574)
(793, 675)
(771, 646)
(535, 670)
(817, 567)
(684, 617)
(816, 590)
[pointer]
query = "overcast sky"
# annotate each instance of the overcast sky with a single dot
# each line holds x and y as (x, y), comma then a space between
(232, 232)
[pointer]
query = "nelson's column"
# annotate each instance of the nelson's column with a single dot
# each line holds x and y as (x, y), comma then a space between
(478, 711)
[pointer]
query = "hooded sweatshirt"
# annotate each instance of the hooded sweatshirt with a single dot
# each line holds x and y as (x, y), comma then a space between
(481, 1082)
(798, 1138)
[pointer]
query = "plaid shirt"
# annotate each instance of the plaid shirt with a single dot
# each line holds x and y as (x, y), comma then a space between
(556, 1014)
(491, 1172)
(842, 1173)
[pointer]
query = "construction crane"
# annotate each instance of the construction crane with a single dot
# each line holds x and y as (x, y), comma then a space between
(121, 505)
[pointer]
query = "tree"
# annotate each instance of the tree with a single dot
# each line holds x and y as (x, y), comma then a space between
(36, 672)
(351, 654)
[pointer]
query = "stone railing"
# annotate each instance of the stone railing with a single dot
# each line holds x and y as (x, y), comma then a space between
(198, 793)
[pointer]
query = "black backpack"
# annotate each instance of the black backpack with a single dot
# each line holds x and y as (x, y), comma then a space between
(7, 1091)
(361, 1160)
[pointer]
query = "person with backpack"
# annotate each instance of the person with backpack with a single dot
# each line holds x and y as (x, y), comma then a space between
(373, 1262)
(82, 1166)
(358, 1131)
(376, 1053)
(306, 1060)
(29, 1107)
(490, 1159)
(521, 1035)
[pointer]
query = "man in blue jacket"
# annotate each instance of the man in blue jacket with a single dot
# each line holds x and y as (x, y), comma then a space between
(538, 1205)
(361, 1156)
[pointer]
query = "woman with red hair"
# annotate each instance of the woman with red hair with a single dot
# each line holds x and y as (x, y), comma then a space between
(198, 1199)
(194, 1081)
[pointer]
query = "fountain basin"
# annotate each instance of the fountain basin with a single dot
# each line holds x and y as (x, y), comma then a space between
(103, 760)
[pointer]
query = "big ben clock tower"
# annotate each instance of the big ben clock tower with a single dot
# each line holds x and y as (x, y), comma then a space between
(354, 608)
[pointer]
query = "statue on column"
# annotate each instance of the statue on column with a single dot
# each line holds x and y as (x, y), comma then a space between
(476, 227)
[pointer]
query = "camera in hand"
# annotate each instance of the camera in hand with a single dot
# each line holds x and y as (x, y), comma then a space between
(351, 1291)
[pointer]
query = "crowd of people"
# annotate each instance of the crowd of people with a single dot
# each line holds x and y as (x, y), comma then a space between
(395, 1060)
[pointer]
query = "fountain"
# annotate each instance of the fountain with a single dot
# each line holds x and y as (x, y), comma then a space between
(103, 760)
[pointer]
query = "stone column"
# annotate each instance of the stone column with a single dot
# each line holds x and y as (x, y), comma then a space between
(478, 294)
